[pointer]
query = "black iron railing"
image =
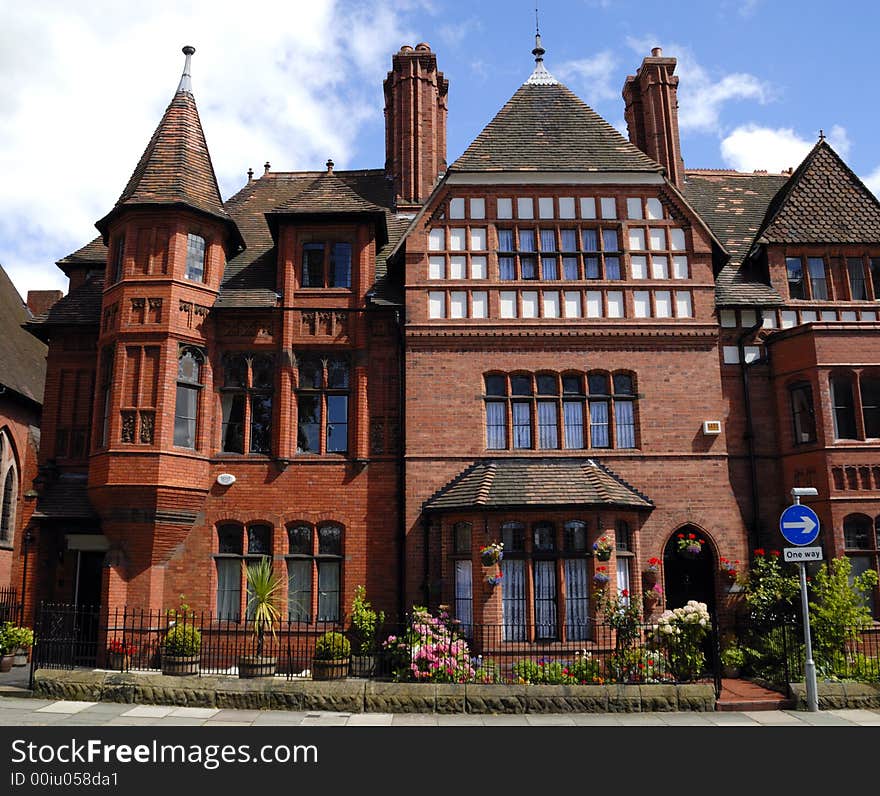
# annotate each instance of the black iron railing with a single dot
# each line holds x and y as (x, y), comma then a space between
(422, 648)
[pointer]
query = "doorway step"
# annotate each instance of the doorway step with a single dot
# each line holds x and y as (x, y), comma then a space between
(741, 695)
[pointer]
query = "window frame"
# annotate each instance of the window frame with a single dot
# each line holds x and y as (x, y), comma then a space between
(190, 272)
(9, 488)
(805, 388)
(329, 246)
(196, 387)
(870, 552)
(249, 393)
(318, 560)
(324, 393)
(243, 558)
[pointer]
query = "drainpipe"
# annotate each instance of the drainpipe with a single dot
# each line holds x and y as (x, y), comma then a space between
(401, 472)
(750, 429)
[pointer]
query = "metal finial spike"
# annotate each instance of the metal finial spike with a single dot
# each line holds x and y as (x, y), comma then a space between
(330, 165)
(821, 135)
(185, 81)
(250, 173)
(266, 167)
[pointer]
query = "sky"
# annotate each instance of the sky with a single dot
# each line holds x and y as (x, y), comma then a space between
(84, 84)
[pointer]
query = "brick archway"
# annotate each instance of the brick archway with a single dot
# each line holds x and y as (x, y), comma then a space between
(689, 578)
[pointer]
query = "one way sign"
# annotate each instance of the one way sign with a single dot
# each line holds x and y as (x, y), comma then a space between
(799, 524)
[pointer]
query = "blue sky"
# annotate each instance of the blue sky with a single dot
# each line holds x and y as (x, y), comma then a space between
(83, 85)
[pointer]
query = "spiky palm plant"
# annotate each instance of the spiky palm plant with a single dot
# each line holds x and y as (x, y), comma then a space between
(263, 587)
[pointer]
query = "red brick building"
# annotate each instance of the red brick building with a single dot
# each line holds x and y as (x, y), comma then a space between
(370, 375)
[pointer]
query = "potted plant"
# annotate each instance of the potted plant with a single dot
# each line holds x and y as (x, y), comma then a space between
(6, 656)
(119, 654)
(20, 640)
(364, 633)
(690, 545)
(491, 554)
(263, 587)
(603, 547)
(331, 658)
(601, 577)
(651, 573)
(732, 658)
(729, 569)
(181, 651)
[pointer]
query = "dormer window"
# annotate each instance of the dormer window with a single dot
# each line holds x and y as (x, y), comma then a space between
(326, 265)
(195, 258)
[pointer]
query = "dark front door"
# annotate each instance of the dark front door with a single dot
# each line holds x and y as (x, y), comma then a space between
(89, 571)
(689, 578)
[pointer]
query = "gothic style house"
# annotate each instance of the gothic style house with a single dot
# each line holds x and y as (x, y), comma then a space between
(368, 376)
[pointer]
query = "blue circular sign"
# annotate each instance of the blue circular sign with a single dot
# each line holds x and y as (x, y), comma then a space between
(799, 524)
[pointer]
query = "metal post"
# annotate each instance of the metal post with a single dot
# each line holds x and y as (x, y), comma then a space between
(810, 664)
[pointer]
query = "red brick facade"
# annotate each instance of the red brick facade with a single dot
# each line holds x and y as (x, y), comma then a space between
(460, 275)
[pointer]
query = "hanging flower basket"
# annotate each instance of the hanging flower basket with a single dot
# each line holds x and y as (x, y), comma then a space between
(729, 569)
(690, 545)
(603, 547)
(494, 580)
(601, 577)
(492, 554)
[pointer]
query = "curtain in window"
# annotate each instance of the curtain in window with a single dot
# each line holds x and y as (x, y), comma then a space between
(818, 284)
(527, 240)
(229, 588)
(545, 599)
(328, 591)
(590, 241)
(505, 269)
(569, 240)
(299, 589)
(464, 595)
(548, 436)
(623, 579)
(496, 425)
(599, 424)
(505, 240)
(856, 269)
(522, 426)
(570, 267)
(624, 424)
(573, 421)
(513, 600)
(577, 605)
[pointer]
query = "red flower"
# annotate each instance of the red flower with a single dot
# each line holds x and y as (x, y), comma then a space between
(681, 536)
(774, 553)
(691, 536)
(624, 593)
(759, 551)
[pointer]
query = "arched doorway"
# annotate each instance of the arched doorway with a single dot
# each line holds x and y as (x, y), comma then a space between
(689, 578)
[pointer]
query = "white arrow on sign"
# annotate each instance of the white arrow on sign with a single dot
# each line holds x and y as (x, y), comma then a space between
(805, 524)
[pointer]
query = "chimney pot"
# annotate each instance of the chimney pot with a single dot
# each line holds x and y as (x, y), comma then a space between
(657, 52)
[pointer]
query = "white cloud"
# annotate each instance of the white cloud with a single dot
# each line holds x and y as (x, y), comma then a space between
(82, 87)
(872, 180)
(594, 77)
(751, 147)
(701, 94)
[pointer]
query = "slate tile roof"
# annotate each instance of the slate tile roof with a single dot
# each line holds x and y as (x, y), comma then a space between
(506, 483)
(823, 202)
(734, 205)
(176, 167)
(549, 128)
(80, 307)
(22, 356)
(93, 253)
(250, 277)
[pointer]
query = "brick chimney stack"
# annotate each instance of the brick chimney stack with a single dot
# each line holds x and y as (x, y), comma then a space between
(39, 301)
(651, 97)
(415, 124)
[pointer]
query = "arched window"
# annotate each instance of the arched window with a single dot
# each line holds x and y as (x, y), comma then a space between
(545, 411)
(189, 386)
(8, 490)
(231, 554)
(314, 572)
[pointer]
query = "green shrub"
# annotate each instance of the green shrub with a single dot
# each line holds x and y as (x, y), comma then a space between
(583, 670)
(183, 641)
(365, 623)
(332, 646)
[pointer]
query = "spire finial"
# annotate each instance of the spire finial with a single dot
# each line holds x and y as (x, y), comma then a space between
(540, 77)
(330, 165)
(539, 51)
(185, 82)
(821, 135)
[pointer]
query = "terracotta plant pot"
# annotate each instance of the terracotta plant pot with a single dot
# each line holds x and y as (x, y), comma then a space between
(6, 662)
(118, 661)
(330, 670)
(649, 578)
(20, 656)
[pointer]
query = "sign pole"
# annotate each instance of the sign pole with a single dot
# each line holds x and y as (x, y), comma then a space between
(809, 665)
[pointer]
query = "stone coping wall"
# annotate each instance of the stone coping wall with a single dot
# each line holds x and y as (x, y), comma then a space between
(834, 696)
(360, 696)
